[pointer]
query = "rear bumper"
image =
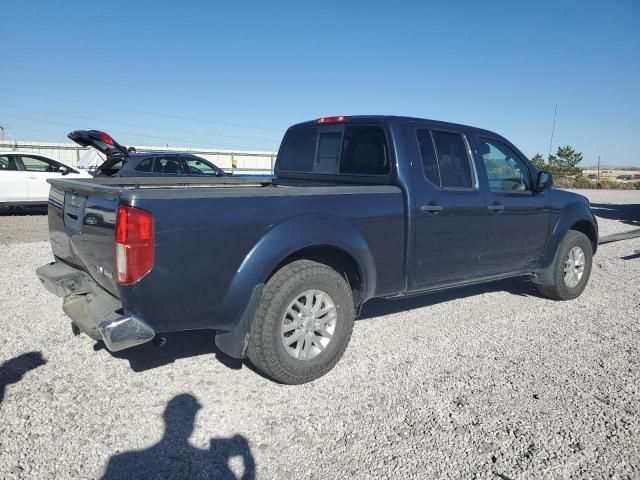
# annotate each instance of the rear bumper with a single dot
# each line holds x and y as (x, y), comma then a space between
(92, 309)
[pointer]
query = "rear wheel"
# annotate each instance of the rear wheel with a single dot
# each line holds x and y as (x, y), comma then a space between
(303, 323)
(571, 269)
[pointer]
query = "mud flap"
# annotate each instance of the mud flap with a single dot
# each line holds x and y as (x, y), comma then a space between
(545, 275)
(236, 342)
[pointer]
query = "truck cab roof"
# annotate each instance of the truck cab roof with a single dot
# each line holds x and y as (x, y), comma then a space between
(379, 119)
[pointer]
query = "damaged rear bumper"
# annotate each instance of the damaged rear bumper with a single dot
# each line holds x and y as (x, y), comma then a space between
(92, 309)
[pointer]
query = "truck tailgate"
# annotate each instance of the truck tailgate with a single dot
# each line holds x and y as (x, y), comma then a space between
(82, 216)
(82, 220)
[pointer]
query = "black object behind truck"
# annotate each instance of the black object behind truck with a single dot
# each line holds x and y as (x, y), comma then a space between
(123, 162)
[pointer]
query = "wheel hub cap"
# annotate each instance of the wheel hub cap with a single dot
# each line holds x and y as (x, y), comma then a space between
(574, 267)
(309, 324)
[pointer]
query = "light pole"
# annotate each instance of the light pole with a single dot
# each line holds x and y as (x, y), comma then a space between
(553, 129)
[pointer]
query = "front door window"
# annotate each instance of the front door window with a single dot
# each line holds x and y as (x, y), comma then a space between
(506, 171)
(35, 164)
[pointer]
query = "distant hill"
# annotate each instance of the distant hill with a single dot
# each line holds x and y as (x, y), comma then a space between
(609, 167)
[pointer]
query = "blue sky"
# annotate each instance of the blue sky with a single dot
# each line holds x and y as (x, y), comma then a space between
(236, 74)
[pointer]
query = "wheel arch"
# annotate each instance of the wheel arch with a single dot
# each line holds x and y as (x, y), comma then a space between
(575, 216)
(589, 230)
(334, 257)
(326, 239)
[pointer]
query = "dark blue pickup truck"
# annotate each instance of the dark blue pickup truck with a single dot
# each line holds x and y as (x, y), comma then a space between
(360, 207)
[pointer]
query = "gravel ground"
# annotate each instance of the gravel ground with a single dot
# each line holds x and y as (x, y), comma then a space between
(482, 382)
(24, 227)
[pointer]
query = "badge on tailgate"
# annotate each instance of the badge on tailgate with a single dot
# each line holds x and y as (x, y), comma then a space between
(74, 205)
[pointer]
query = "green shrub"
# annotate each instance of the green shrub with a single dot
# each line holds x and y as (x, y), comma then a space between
(609, 184)
(584, 182)
(568, 182)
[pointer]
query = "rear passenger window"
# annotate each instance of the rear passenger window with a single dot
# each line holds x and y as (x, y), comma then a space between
(168, 165)
(455, 170)
(145, 165)
(428, 154)
(7, 163)
(447, 165)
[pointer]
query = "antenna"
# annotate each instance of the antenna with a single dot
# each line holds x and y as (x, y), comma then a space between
(2, 128)
(553, 129)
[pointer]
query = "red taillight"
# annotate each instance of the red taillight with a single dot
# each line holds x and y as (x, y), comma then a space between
(134, 244)
(106, 138)
(338, 119)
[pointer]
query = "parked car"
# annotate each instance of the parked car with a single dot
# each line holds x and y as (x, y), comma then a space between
(24, 175)
(122, 163)
(360, 207)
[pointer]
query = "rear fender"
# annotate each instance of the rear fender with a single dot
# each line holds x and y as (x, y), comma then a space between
(273, 248)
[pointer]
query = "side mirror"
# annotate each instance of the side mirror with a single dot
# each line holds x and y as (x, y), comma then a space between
(63, 170)
(544, 181)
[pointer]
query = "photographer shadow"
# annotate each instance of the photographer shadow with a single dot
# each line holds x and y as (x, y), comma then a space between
(13, 370)
(174, 457)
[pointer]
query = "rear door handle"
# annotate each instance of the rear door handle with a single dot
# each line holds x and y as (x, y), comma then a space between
(431, 208)
(496, 207)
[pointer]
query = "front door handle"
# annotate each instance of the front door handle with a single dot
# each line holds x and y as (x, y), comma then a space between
(496, 207)
(431, 207)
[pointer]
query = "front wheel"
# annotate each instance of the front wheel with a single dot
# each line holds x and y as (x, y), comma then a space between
(303, 323)
(571, 269)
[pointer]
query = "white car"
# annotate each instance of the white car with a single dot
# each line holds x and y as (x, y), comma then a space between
(23, 177)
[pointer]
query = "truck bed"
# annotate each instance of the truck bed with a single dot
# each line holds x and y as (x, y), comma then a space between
(206, 231)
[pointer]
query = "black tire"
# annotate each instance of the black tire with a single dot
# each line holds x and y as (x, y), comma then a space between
(559, 290)
(266, 349)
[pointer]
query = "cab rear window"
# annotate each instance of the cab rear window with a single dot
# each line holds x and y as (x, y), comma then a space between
(350, 150)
